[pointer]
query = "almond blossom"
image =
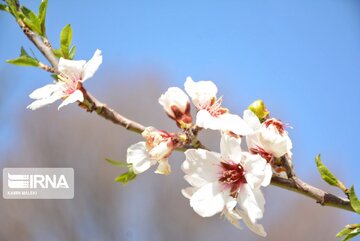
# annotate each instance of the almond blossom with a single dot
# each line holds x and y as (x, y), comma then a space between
(68, 87)
(157, 148)
(211, 115)
(227, 182)
(269, 138)
(176, 105)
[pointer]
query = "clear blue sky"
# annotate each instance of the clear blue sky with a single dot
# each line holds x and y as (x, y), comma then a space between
(301, 57)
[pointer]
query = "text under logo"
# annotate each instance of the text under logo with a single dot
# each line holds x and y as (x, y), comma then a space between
(38, 183)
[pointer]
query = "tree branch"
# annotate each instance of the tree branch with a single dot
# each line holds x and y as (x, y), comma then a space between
(323, 198)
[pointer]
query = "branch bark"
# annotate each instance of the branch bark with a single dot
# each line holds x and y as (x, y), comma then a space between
(295, 184)
(92, 104)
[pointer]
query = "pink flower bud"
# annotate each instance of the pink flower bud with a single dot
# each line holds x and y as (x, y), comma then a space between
(176, 105)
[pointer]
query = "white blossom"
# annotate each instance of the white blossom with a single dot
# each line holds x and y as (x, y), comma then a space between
(211, 115)
(72, 74)
(157, 148)
(227, 182)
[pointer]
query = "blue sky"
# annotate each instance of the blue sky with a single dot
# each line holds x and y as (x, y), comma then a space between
(300, 57)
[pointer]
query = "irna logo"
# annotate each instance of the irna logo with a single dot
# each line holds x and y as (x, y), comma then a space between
(37, 181)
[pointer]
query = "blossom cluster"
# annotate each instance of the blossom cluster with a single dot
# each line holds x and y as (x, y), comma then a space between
(228, 182)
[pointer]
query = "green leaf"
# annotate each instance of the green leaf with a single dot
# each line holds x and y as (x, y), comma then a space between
(42, 15)
(327, 176)
(349, 231)
(3, 7)
(23, 52)
(118, 163)
(31, 20)
(72, 52)
(65, 40)
(58, 53)
(24, 61)
(354, 201)
(126, 177)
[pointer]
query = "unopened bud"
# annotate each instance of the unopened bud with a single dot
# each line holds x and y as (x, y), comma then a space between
(259, 109)
(177, 106)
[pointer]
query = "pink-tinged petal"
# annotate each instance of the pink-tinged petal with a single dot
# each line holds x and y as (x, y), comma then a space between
(174, 96)
(230, 148)
(45, 91)
(208, 200)
(139, 158)
(42, 102)
(201, 165)
(201, 92)
(163, 167)
(92, 65)
(71, 68)
(252, 202)
(256, 228)
(255, 170)
(76, 96)
(188, 192)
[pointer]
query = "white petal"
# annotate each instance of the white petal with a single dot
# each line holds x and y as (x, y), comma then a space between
(230, 148)
(138, 156)
(208, 200)
(272, 141)
(252, 202)
(235, 124)
(201, 92)
(42, 102)
(45, 91)
(71, 68)
(188, 192)
(256, 228)
(174, 96)
(268, 175)
(76, 96)
(163, 167)
(92, 66)
(201, 166)
(251, 120)
(255, 167)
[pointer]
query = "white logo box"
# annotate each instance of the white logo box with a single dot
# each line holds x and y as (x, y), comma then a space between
(38, 183)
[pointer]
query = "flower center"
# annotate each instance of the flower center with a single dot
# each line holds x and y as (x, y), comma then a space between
(232, 176)
(215, 108)
(258, 150)
(277, 124)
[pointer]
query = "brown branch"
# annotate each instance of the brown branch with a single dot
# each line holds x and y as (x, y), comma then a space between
(323, 198)
(92, 104)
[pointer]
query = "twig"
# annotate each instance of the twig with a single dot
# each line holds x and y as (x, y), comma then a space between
(324, 198)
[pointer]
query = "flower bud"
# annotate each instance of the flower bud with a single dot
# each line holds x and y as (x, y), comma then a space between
(177, 106)
(259, 109)
(159, 144)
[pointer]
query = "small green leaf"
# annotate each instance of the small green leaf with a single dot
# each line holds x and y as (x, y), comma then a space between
(58, 53)
(31, 20)
(349, 231)
(118, 163)
(126, 177)
(354, 201)
(23, 52)
(42, 15)
(72, 52)
(3, 7)
(327, 176)
(24, 61)
(65, 40)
